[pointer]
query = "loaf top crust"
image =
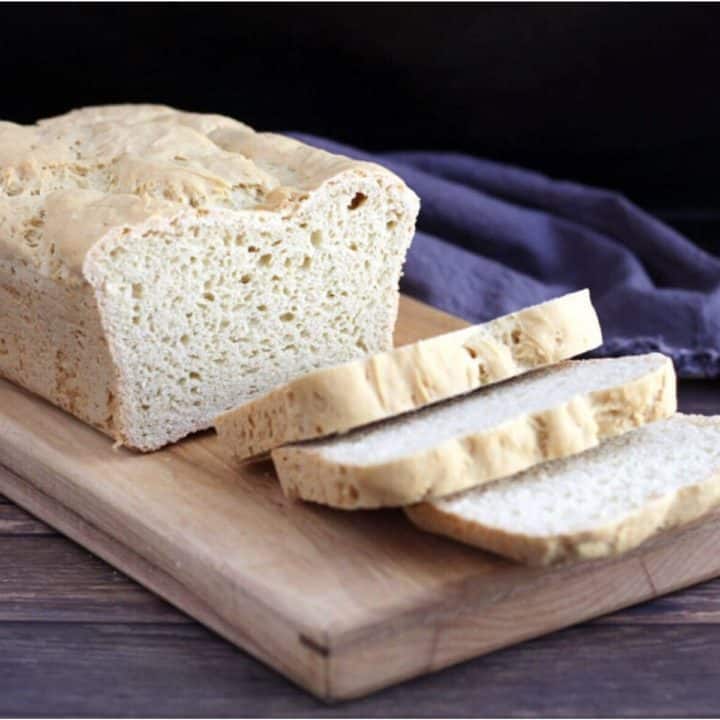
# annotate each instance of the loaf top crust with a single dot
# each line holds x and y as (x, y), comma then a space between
(66, 181)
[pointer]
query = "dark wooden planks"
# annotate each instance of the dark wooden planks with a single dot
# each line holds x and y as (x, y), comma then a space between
(160, 670)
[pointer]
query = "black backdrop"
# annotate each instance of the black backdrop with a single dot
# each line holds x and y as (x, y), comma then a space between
(624, 96)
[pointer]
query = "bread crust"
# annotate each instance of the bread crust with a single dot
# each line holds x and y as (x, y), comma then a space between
(337, 399)
(670, 511)
(463, 462)
(96, 169)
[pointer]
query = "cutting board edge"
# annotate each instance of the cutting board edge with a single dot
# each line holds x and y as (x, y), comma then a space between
(342, 636)
(459, 632)
(24, 464)
(71, 524)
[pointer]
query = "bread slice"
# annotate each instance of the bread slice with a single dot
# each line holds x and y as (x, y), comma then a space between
(597, 504)
(347, 396)
(159, 267)
(489, 434)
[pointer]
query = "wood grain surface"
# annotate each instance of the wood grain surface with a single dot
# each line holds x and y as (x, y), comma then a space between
(80, 638)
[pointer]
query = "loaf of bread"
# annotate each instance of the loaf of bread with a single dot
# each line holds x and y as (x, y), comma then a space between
(489, 434)
(597, 504)
(159, 267)
(339, 398)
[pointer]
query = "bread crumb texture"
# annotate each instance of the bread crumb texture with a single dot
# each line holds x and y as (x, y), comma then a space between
(344, 397)
(600, 503)
(159, 267)
(476, 438)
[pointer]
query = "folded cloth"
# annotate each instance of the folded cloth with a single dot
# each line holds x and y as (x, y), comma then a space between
(492, 239)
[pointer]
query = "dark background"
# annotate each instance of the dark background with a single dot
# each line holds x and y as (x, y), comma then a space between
(624, 96)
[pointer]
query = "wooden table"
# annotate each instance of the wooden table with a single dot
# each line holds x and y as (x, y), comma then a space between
(79, 638)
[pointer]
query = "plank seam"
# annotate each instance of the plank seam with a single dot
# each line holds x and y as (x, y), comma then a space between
(314, 646)
(655, 591)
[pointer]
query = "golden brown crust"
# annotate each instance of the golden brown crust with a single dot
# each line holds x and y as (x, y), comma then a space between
(71, 179)
(464, 462)
(673, 510)
(340, 398)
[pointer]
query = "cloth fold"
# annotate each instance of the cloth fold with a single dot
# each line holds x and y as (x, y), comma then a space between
(492, 239)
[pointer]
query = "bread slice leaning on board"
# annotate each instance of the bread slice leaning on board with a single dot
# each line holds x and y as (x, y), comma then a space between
(489, 434)
(600, 503)
(337, 399)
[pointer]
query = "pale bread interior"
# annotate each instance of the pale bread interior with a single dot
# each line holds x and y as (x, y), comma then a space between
(207, 313)
(600, 487)
(487, 408)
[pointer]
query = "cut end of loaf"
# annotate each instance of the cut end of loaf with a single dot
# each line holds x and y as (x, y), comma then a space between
(204, 313)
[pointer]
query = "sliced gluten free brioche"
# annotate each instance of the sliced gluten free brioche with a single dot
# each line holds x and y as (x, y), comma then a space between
(597, 504)
(337, 399)
(483, 436)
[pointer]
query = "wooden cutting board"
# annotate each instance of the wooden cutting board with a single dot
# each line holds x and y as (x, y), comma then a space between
(341, 603)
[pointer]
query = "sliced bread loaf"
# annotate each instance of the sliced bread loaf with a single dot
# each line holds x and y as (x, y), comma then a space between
(159, 267)
(336, 399)
(600, 503)
(489, 434)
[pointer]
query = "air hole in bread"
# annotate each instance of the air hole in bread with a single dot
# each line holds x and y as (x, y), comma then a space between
(357, 201)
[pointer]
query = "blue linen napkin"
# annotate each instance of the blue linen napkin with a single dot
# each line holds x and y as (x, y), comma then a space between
(492, 239)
